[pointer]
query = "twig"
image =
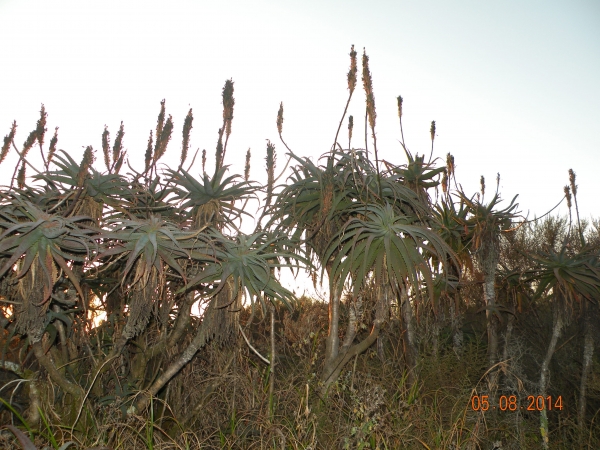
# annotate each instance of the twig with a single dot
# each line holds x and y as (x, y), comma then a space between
(250, 345)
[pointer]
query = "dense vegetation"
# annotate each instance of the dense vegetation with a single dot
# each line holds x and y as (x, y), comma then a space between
(440, 303)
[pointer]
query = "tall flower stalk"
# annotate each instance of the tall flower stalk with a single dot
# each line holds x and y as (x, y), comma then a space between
(187, 128)
(8, 140)
(271, 159)
(106, 147)
(371, 112)
(351, 86)
(228, 103)
(400, 101)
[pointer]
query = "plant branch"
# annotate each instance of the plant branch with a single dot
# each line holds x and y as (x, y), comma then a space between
(45, 361)
(199, 341)
(251, 347)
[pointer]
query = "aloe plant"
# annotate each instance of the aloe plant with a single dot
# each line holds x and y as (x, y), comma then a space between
(248, 260)
(570, 278)
(395, 249)
(485, 224)
(211, 200)
(31, 234)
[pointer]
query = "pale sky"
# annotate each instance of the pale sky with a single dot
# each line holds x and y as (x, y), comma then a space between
(513, 86)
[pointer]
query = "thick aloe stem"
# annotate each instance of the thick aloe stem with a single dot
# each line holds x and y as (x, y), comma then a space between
(492, 321)
(272, 365)
(333, 368)
(200, 340)
(411, 347)
(545, 372)
(45, 361)
(332, 343)
(457, 333)
(588, 353)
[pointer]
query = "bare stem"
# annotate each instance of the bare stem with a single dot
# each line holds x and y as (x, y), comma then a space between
(341, 121)
(272, 368)
(366, 133)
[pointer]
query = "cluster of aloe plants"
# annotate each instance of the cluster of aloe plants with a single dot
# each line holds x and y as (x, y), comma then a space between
(141, 247)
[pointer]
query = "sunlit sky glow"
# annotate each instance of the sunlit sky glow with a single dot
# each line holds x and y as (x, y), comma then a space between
(513, 86)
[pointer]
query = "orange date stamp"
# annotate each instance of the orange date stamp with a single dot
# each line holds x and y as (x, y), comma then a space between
(511, 403)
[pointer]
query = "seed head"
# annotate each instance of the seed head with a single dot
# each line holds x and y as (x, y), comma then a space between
(118, 147)
(40, 129)
(450, 164)
(247, 167)
(399, 98)
(350, 127)
(86, 163)
(228, 102)
(445, 181)
(21, 176)
(187, 128)
(8, 139)
(353, 70)
(568, 196)
(482, 182)
(29, 143)
(106, 146)
(148, 156)
(432, 130)
(204, 161)
(160, 122)
(52, 149)
(368, 86)
(271, 160)
(165, 136)
(119, 163)
(219, 152)
(572, 182)
(280, 119)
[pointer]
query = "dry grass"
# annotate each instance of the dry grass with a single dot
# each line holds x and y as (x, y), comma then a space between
(220, 400)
